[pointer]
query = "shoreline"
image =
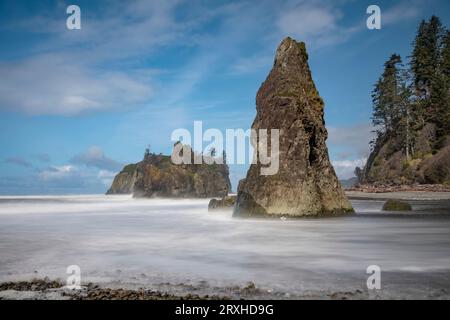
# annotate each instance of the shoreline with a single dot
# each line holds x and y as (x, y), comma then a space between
(47, 289)
(398, 195)
(381, 188)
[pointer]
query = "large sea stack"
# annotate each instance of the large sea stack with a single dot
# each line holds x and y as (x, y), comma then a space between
(306, 183)
(157, 176)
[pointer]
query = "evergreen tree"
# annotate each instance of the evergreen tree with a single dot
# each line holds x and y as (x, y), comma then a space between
(425, 62)
(405, 100)
(407, 125)
(385, 97)
(419, 60)
(445, 66)
(391, 104)
(444, 110)
(440, 91)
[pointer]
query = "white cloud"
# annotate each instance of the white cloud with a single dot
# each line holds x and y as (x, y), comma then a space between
(117, 30)
(70, 178)
(88, 172)
(58, 173)
(351, 147)
(356, 137)
(315, 23)
(345, 168)
(106, 177)
(319, 22)
(92, 69)
(56, 84)
(308, 20)
(97, 171)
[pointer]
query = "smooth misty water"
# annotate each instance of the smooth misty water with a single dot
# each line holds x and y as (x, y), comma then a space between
(129, 242)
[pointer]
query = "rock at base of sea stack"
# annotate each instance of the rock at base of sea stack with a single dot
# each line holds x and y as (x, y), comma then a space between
(226, 202)
(306, 183)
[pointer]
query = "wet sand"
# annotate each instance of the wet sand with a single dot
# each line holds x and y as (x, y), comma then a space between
(400, 195)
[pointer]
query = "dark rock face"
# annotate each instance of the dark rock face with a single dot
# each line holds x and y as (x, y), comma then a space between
(157, 176)
(388, 165)
(306, 183)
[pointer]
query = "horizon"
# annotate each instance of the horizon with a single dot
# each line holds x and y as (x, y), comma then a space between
(77, 105)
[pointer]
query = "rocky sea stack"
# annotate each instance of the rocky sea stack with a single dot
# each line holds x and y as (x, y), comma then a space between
(306, 183)
(157, 176)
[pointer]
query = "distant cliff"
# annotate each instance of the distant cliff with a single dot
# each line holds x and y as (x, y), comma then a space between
(157, 176)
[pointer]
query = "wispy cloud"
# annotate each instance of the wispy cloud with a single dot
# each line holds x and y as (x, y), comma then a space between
(106, 177)
(58, 173)
(94, 157)
(55, 84)
(68, 178)
(19, 161)
(43, 157)
(97, 68)
(402, 11)
(354, 138)
(88, 69)
(251, 64)
(318, 23)
(345, 168)
(351, 147)
(90, 171)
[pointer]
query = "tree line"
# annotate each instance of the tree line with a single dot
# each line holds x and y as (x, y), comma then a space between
(406, 98)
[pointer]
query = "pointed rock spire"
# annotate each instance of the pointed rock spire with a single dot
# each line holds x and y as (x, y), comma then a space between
(306, 183)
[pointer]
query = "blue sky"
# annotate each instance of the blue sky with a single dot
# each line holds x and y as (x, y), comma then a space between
(75, 105)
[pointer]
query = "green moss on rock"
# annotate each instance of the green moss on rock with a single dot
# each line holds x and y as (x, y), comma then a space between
(130, 168)
(396, 205)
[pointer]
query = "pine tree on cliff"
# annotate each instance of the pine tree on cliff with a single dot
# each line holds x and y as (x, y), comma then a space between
(446, 73)
(420, 112)
(386, 97)
(407, 126)
(446, 56)
(441, 95)
(391, 103)
(424, 62)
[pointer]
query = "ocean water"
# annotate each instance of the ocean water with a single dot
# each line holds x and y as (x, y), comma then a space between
(178, 246)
